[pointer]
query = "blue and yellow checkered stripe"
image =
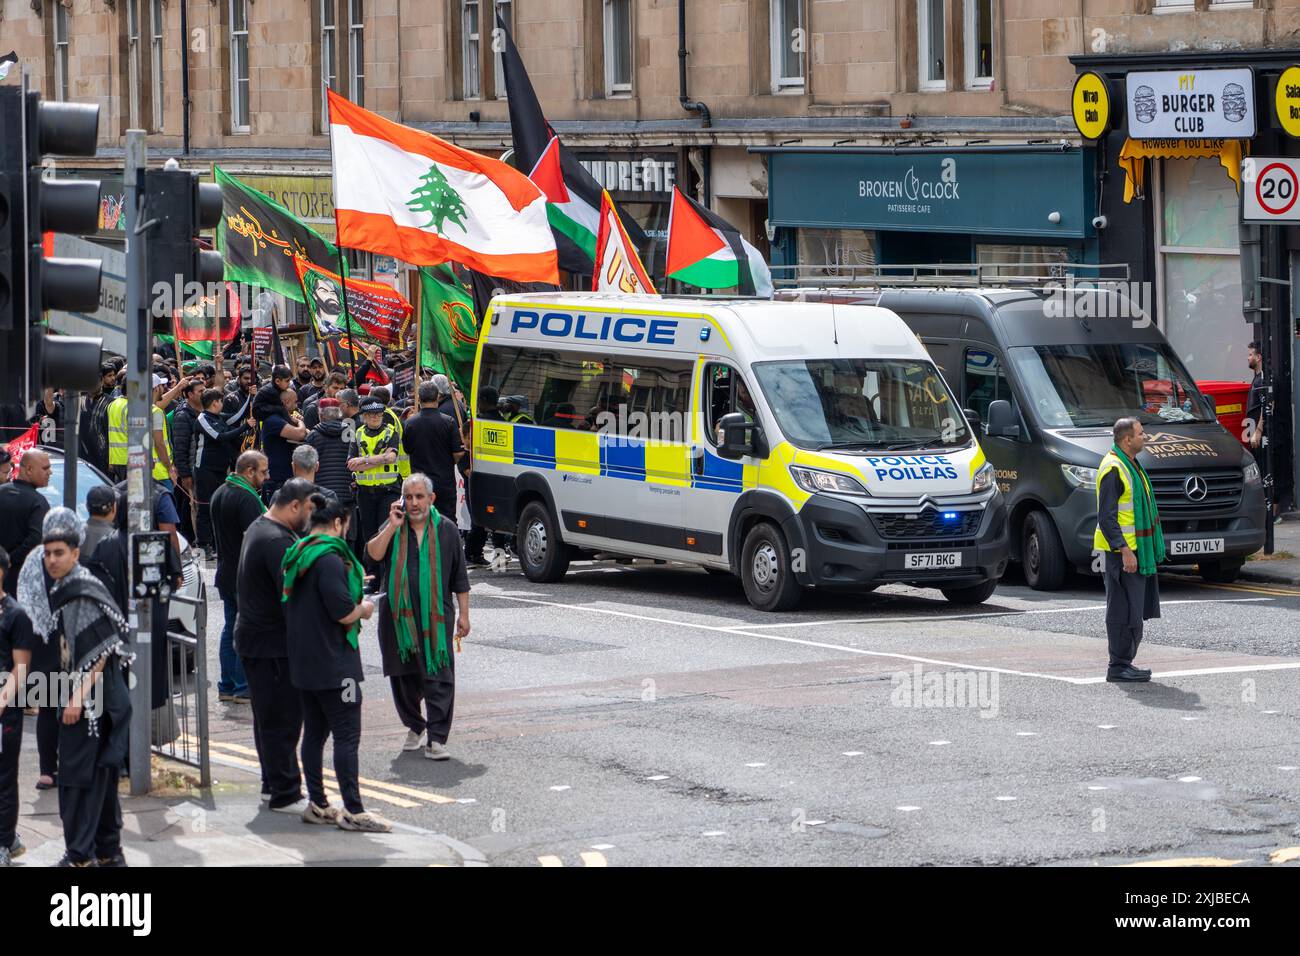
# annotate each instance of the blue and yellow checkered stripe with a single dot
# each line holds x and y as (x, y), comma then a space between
(608, 456)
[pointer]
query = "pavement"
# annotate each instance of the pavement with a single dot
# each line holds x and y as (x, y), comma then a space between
(1275, 568)
(647, 715)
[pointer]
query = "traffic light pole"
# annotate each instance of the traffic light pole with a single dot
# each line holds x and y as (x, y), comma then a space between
(139, 463)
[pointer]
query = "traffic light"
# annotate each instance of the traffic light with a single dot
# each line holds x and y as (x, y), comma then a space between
(180, 207)
(30, 283)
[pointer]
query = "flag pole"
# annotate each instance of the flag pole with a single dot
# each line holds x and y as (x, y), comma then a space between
(338, 249)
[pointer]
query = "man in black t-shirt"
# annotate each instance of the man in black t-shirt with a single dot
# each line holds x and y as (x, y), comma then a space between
(234, 506)
(260, 641)
(17, 641)
(433, 442)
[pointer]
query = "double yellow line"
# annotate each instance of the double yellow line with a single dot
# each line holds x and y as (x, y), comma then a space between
(394, 794)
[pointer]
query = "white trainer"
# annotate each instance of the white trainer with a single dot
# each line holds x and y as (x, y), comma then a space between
(436, 751)
(414, 741)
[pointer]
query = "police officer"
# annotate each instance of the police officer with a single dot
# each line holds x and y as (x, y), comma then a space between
(380, 394)
(373, 459)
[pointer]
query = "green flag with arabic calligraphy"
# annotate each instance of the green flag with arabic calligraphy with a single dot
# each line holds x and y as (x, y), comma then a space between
(259, 239)
(448, 325)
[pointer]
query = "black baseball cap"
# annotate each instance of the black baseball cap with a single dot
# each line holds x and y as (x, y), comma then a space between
(100, 500)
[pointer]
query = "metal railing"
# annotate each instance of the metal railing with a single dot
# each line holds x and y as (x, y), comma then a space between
(1031, 274)
(180, 725)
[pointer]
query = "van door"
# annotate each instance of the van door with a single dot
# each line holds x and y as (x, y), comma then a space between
(983, 381)
(716, 482)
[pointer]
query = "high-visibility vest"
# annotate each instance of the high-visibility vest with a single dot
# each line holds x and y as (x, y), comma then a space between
(403, 459)
(160, 472)
(1127, 522)
(519, 418)
(117, 431)
(379, 475)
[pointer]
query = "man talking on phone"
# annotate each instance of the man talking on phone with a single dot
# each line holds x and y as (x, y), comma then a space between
(420, 566)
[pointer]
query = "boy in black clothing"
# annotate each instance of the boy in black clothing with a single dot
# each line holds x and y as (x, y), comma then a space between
(17, 641)
(216, 446)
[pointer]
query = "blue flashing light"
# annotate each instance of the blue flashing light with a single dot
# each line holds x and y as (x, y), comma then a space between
(950, 516)
(704, 334)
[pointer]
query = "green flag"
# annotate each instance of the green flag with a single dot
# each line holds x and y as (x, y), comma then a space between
(259, 239)
(449, 327)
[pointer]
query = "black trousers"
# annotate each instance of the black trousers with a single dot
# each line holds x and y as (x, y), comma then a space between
(438, 694)
(184, 502)
(47, 740)
(206, 482)
(327, 713)
(277, 726)
(373, 503)
(92, 818)
(11, 745)
(1131, 599)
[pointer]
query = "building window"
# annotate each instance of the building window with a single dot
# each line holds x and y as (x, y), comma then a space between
(1199, 270)
(505, 10)
(133, 72)
(156, 23)
(1000, 260)
(470, 47)
(930, 44)
(356, 52)
(61, 88)
(239, 122)
(979, 44)
(1174, 6)
(329, 59)
(618, 47)
(787, 45)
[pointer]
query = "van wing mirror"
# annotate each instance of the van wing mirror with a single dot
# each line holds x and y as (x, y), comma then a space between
(739, 436)
(972, 418)
(1003, 421)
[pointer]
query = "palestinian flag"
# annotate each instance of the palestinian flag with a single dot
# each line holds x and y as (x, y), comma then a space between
(447, 325)
(260, 239)
(408, 194)
(574, 220)
(704, 250)
(618, 267)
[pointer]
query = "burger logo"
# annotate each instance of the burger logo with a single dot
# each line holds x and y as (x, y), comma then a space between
(1144, 104)
(1234, 102)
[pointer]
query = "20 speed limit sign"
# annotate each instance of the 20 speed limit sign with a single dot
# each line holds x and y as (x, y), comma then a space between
(1270, 189)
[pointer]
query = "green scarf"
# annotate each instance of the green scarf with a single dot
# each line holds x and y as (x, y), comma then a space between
(303, 554)
(1146, 517)
(432, 624)
(239, 481)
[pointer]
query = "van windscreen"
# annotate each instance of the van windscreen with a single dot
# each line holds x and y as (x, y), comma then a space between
(862, 403)
(1091, 385)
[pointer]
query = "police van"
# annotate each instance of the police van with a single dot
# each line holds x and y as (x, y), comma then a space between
(794, 445)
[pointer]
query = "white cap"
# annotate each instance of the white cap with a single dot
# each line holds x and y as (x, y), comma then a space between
(158, 380)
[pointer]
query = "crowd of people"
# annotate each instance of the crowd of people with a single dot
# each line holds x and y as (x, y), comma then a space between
(323, 501)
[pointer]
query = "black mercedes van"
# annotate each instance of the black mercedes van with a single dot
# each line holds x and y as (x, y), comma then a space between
(1047, 375)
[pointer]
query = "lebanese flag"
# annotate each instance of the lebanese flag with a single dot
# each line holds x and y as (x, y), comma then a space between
(618, 267)
(706, 251)
(408, 194)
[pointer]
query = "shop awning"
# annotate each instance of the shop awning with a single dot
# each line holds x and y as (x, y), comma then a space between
(1135, 151)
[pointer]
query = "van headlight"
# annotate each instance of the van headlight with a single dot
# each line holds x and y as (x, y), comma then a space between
(1080, 477)
(813, 481)
(983, 478)
(1251, 473)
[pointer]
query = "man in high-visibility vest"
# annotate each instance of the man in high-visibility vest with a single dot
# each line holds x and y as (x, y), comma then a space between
(117, 437)
(373, 460)
(1129, 536)
(380, 394)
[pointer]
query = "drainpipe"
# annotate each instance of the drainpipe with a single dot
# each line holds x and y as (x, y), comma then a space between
(185, 78)
(692, 106)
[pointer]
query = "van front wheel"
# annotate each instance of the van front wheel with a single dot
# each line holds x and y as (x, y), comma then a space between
(765, 571)
(976, 594)
(1042, 554)
(542, 555)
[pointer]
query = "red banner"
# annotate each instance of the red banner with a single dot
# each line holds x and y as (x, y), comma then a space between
(379, 314)
(23, 443)
(207, 320)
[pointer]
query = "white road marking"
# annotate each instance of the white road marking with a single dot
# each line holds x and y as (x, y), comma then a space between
(1191, 718)
(914, 658)
(1268, 711)
(940, 743)
(813, 823)
(466, 800)
(851, 753)
(561, 787)
(755, 765)
(1099, 788)
(1105, 726)
(658, 776)
(713, 833)
(1026, 733)
(1189, 779)
(1004, 798)
(593, 859)
(907, 809)
(602, 846)
(1287, 769)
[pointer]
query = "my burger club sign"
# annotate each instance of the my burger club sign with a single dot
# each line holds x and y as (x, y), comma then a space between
(1183, 104)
